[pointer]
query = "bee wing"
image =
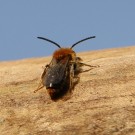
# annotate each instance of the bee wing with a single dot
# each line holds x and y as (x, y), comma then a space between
(56, 73)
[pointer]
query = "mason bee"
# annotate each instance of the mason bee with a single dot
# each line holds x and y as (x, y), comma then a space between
(61, 74)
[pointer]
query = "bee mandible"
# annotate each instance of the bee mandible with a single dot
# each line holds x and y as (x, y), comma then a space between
(61, 74)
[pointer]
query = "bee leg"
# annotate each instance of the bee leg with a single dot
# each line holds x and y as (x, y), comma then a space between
(83, 64)
(92, 67)
(40, 86)
(74, 79)
(71, 77)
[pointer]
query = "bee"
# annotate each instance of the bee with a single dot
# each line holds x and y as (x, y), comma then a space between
(61, 74)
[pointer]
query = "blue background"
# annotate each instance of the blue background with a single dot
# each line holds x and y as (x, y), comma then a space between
(65, 22)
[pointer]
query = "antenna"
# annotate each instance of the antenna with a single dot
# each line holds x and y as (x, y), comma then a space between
(81, 41)
(50, 41)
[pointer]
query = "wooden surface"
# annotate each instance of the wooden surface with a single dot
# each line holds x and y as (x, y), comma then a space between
(102, 103)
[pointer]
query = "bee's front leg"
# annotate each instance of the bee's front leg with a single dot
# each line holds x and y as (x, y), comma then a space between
(91, 66)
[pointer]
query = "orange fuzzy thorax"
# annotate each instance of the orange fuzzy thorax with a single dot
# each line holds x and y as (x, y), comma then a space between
(64, 52)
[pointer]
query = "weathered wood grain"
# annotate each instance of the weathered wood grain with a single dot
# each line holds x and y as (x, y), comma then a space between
(102, 103)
